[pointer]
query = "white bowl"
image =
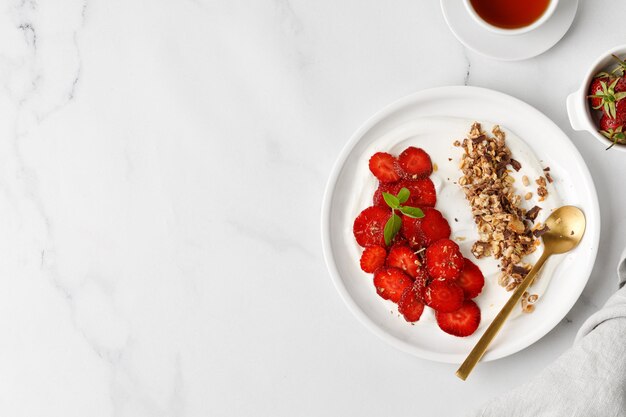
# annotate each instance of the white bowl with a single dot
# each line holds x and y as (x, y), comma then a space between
(581, 115)
(502, 31)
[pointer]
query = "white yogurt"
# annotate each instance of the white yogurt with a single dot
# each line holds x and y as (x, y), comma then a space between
(436, 136)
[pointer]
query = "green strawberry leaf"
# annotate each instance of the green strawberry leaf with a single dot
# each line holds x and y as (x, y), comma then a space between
(413, 212)
(392, 228)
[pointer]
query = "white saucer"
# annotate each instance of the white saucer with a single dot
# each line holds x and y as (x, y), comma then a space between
(508, 47)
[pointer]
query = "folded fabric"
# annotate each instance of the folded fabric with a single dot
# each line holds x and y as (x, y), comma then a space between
(588, 380)
(621, 269)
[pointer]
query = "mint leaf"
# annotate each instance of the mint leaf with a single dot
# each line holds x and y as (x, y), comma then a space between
(391, 200)
(392, 228)
(403, 195)
(414, 212)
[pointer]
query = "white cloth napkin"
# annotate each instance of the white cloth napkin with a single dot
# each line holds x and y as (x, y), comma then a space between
(588, 380)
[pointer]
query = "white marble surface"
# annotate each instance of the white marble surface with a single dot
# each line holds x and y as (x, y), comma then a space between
(161, 171)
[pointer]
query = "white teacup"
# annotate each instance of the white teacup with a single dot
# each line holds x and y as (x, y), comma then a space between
(518, 31)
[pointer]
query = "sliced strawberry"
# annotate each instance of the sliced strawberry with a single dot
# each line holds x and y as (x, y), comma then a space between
(415, 162)
(391, 282)
(402, 257)
(387, 187)
(369, 226)
(422, 232)
(399, 240)
(410, 305)
(411, 230)
(462, 322)
(443, 296)
(422, 192)
(444, 259)
(471, 279)
(373, 257)
(421, 282)
(385, 167)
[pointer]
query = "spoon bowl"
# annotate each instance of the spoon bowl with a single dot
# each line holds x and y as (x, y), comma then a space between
(566, 229)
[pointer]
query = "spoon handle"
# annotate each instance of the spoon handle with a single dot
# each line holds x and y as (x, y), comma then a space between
(479, 350)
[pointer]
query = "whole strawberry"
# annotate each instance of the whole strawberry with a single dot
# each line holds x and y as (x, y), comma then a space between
(605, 97)
(612, 130)
(596, 89)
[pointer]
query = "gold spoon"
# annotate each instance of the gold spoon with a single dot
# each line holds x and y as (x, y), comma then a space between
(566, 228)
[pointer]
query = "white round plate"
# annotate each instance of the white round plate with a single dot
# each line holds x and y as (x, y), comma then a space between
(346, 184)
(508, 47)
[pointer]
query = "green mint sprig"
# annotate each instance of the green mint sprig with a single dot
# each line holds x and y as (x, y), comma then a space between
(395, 202)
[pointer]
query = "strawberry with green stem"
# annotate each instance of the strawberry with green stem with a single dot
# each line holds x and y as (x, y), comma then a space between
(606, 97)
(614, 135)
(621, 65)
(596, 87)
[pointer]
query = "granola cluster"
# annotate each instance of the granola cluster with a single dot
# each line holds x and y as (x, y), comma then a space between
(505, 229)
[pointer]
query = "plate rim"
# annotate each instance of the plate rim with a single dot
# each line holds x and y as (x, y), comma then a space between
(329, 258)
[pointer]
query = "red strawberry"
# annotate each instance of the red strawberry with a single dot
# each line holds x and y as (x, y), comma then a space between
(444, 259)
(420, 284)
(434, 226)
(613, 128)
(444, 296)
(607, 123)
(410, 305)
(387, 187)
(422, 192)
(369, 226)
(606, 98)
(399, 240)
(412, 231)
(596, 89)
(471, 279)
(390, 283)
(415, 162)
(402, 257)
(430, 228)
(373, 257)
(616, 135)
(462, 322)
(619, 87)
(385, 167)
